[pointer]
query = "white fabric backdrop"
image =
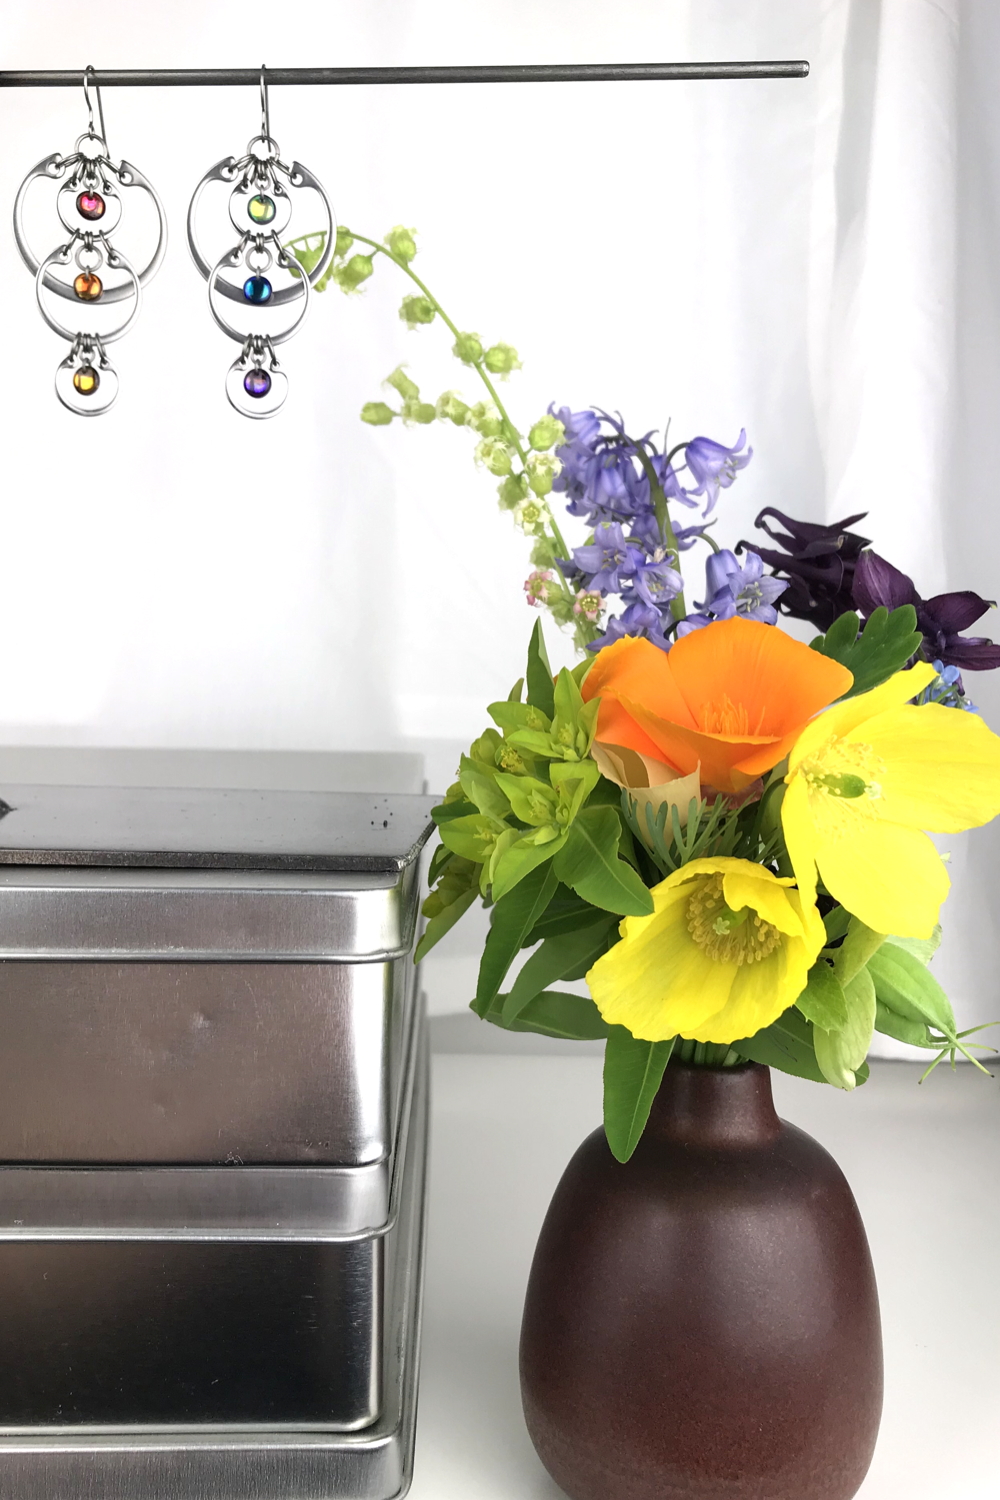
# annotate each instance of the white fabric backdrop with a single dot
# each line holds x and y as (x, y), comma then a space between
(813, 260)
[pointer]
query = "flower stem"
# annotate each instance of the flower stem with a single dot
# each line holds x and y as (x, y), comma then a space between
(511, 431)
(705, 1054)
(678, 608)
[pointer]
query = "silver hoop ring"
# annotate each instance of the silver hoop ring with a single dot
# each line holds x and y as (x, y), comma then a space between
(53, 168)
(72, 334)
(226, 171)
(224, 286)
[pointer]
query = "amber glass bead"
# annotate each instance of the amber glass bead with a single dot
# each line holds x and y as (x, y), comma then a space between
(88, 287)
(86, 380)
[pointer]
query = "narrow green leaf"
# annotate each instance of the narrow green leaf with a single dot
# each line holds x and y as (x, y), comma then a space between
(556, 1013)
(907, 988)
(541, 688)
(589, 863)
(787, 1044)
(840, 1053)
(564, 913)
(513, 916)
(902, 1028)
(567, 956)
(446, 812)
(633, 1071)
(443, 922)
(518, 860)
(822, 1001)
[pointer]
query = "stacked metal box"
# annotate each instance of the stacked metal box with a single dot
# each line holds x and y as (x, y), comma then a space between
(213, 1106)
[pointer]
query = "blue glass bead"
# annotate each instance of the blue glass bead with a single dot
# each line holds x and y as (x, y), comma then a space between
(257, 289)
(256, 382)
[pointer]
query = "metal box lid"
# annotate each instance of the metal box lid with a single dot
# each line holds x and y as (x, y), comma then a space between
(106, 872)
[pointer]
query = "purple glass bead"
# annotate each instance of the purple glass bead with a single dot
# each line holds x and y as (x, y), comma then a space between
(256, 382)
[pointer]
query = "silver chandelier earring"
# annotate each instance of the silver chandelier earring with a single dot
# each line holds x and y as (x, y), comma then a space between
(260, 209)
(96, 275)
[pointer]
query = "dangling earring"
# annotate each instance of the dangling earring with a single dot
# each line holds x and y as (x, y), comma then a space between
(260, 207)
(90, 208)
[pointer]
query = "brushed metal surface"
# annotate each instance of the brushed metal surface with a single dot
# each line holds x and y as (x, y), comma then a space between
(205, 915)
(200, 1063)
(181, 828)
(371, 1464)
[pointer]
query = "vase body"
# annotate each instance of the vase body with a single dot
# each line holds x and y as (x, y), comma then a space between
(701, 1322)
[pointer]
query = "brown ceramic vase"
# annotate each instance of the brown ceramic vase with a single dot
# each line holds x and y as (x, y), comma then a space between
(702, 1322)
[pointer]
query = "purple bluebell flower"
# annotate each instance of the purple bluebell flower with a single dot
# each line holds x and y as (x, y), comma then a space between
(639, 619)
(940, 620)
(817, 563)
(581, 427)
(733, 589)
(656, 582)
(713, 466)
(608, 559)
(947, 690)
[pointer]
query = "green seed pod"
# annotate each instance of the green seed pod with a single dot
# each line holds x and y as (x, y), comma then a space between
(401, 382)
(415, 310)
(512, 491)
(345, 240)
(451, 408)
(468, 348)
(402, 242)
(377, 414)
(495, 454)
(500, 359)
(548, 432)
(350, 275)
(485, 419)
(418, 411)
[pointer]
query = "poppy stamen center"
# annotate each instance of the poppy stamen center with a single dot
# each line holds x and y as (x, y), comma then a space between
(727, 936)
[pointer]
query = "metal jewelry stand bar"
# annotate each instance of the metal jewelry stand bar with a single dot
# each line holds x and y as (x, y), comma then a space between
(502, 73)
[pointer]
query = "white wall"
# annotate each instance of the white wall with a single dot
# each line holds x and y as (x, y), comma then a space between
(779, 255)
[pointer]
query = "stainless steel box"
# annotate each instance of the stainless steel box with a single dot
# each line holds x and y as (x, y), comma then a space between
(212, 1123)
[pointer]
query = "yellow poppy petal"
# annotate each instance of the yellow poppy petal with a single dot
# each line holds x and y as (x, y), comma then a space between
(657, 981)
(942, 767)
(800, 837)
(760, 993)
(768, 898)
(843, 718)
(889, 877)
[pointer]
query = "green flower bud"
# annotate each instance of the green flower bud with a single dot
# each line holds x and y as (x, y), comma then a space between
(495, 454)
(548, 432)
(345, 240)
(377, 414)
(468, 348)
(401, 382)
(416, 310)
(543, 553)
(350, 275)
(451, 408)
(402, 243)
(485, 419)
(418, 411)
(512, 491)
(542, 469)
(500, 359)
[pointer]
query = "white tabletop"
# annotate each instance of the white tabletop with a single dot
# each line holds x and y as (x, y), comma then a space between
(924, 1164)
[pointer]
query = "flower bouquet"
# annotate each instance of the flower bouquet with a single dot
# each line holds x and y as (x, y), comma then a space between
(723, 832)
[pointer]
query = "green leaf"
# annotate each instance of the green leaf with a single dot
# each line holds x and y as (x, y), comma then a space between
(518, 859)
(564, 913)
(904, 1030)
(541, 688)
(822, 1001)
(567, 956)
(557, 1013)
(922, 948)
(472, 837)
(840, 1053)
(884, 646)
(513, 916)
(856, 950)
(909, 990)
(589, 863)
(447, 812)
(836, 923)
(633, 1071)
(787, 1044)
(443, 922)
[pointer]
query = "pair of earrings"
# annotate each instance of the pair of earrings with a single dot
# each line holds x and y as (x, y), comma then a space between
(96, 275)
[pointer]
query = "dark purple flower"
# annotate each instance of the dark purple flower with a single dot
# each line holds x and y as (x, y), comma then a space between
(940, 620)
(733, 589)
(608, 559)
(817, 563)
(714, 466)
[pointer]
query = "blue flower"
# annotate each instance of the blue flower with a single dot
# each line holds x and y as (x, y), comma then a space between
(714, 466)
(638, 619)
(735, 590)
(947, 689)
(608, 560)
(656, 582)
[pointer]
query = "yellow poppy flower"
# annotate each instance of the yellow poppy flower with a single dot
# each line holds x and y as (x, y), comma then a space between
(728, 948)
(865, 779)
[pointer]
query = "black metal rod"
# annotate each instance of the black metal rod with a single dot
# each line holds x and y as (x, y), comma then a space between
(502, 73)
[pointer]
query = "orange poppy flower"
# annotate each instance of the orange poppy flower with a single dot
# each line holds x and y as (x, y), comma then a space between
(733, 697)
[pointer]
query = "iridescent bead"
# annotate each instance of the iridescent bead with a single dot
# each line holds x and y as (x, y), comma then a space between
(86, 380)
(261, 209)
(257, 289)
(88, 287)
(90, 206)
(256, 382)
